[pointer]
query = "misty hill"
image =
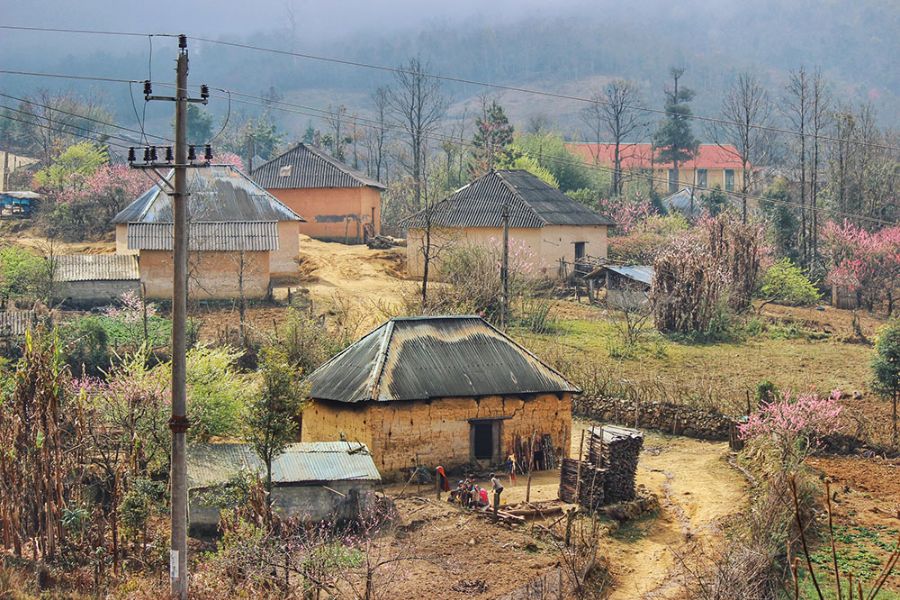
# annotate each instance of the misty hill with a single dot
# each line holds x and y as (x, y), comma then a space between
(572, 50)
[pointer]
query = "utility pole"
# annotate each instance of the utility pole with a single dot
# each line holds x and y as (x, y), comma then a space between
(184, 158)
(504, 267)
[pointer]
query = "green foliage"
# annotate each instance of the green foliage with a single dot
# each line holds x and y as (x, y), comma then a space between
(493, 134)
(23, 275)
(270, 423)
(674, 140)
(549, 150)
(86, 346)
(886, 364)
(199, 125)
(71, 167)
(516, 160)
(784, 224)
(217, 393)
(766, 391)
(785, 283)
(135, 510)
(714, 201)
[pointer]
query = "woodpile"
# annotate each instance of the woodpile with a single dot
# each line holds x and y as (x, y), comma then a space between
(617, 450)
(590, 493)
(542, 451)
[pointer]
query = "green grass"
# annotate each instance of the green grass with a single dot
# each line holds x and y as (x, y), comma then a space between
(784, 354)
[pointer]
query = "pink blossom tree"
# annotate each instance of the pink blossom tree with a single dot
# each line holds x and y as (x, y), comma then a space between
(867, 263)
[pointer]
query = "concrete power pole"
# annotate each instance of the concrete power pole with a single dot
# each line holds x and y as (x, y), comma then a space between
(184, 158)
(504, 267)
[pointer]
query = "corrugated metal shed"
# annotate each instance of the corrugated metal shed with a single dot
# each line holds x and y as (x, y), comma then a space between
(218, 194)
(14, 323)
(640, 273)
(417, 358)
(95, 267)
(305, 462)
(206, 236)
(532, 203)
(306, 166)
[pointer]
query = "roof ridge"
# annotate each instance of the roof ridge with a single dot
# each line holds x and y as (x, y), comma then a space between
(519, 195)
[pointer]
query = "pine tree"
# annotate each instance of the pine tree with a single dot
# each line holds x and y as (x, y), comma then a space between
(493, 134)
(674, 142)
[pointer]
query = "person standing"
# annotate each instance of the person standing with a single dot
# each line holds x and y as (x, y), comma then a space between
(497, 487)
(511, 468)
(441, 482)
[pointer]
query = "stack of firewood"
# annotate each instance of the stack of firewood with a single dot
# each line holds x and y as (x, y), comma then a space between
(616, 449)
(590, 492)
(543, 452)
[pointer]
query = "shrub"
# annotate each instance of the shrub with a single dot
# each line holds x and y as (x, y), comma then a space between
(785, 283)
(886, 369)
(23, 275)
(217, 393)
(86, 346)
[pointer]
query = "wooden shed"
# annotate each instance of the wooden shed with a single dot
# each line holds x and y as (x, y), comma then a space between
(447, 390)
(627, 286)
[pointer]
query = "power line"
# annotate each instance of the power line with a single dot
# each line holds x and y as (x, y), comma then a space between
(39, 118)
(86, 118)
(50, 128)
(466, 81)
(437, 137)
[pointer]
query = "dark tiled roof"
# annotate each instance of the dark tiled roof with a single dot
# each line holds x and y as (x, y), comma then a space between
(309, 167)
(95, 267)
(532, 203)
(218, 194)
(417, 358)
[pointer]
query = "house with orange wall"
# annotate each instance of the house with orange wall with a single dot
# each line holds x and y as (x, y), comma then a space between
(338, 202)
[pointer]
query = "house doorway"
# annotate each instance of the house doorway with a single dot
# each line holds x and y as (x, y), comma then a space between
(579, 251)
(484, 440)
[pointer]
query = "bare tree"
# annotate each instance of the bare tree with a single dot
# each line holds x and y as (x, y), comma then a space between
(335, 118)
(417, 106)
(613, 115)
(797, 108)
(746, 111)
(820, 117)
(56, 121)
(377, 135)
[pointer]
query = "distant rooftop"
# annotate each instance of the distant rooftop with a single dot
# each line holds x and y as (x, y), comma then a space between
(95, 267)
(305, 166)
(417, 358)
(532, 203)
(640, 155)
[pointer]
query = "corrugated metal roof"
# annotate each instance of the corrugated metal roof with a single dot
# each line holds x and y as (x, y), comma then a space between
(304, 462)
(640, 273)
(417, 358)
(309, 167)
(22, 195)
(206, 236)
(16, 322)
(95, 267)
(532, 203)
(218, 194)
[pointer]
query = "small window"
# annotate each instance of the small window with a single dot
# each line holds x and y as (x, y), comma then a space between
(285, 171)
(729, 180)
(673, 181)
(702, 178)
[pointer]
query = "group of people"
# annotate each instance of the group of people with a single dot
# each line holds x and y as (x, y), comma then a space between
(468, 493)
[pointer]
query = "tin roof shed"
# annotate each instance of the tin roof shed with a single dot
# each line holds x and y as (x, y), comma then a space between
(301, 463)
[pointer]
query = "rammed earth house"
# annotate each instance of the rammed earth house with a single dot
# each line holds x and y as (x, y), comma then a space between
(339, 203)
(435, 391)
(240, 236)
(545, 225)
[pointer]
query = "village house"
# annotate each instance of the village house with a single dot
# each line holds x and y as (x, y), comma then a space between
(339, 203)
(544, 224)
(242, 239)
(312, 481)
(9, 163)
(429, 391)
(91, 279)
(714, 165)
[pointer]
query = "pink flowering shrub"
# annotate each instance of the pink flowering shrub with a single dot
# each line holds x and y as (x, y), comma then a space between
(229, 158)
(863, 261)
(132, 308)
(794, 425)
(627, 213)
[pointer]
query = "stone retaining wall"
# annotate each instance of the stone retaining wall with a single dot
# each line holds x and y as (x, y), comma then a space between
(666, 417)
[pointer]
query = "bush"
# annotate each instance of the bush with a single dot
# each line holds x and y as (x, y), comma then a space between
(86, 346)
(785, 283)
(217, 393)
(23, 275)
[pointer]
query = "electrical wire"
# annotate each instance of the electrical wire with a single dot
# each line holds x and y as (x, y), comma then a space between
(72, 133)
(227, 117)
(467, 81)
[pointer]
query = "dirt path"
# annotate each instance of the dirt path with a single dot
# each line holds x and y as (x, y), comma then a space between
(335, 273)
(697, 491)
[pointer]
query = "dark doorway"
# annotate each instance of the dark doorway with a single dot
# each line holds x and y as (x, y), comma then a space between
(483, 440)
(579, 251)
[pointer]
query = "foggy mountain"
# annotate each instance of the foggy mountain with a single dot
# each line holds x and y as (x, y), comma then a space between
(570, 48)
